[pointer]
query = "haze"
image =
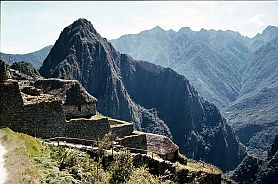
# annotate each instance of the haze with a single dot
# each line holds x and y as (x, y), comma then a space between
(29, 26)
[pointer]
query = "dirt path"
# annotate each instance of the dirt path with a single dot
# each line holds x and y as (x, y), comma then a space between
(3, 171)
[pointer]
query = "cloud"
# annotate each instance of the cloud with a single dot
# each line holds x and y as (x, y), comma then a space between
(257, 20)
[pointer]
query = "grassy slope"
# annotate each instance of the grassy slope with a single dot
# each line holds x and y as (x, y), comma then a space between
(29, 161)
(20, 151)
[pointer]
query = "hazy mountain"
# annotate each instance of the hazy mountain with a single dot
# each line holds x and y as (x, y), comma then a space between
(254, 119)
(270, 33)
(261, 69)
(35, 58)
(156, 99)
(254, 115)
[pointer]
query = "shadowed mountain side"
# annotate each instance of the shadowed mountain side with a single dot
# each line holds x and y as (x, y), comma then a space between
(254, 119)
(254, 170)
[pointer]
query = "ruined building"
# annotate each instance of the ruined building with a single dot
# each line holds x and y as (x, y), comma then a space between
(48, 108)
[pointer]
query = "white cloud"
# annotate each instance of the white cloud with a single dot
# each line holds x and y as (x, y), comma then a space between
(257, 20)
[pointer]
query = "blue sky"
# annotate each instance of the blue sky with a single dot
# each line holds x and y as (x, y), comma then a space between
(29, 26)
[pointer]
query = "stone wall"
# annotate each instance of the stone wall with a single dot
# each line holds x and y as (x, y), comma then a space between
(134, 141)
(76, 111)
(39, 119)
(43, 120)
(120, 128)
(3, 71)
(87, 129)
(10, 103)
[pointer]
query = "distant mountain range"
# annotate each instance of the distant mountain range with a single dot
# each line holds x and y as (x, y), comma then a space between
(156, 99)
(35, 58)
(237, 73)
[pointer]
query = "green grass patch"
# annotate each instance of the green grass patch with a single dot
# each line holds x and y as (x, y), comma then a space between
(97, 117)
(33, 145)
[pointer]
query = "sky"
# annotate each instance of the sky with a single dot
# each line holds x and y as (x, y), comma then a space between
(30, 26)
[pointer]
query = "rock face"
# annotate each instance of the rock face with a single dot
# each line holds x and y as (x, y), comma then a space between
(156, 99)
(254, 170)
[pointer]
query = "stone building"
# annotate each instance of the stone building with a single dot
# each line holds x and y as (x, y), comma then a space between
(76, 100)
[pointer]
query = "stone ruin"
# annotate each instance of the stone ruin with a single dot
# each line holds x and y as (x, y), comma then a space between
(44, 108)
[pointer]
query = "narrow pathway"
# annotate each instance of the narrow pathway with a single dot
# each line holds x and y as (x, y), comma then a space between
(3, 171)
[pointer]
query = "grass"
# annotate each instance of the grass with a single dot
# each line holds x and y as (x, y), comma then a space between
(97, 117)
(198, 166)
(19, 157)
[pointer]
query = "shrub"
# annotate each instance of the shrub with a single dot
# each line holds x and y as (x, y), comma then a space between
(121, 167)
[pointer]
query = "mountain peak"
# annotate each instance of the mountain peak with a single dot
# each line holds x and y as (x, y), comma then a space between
(157, 28)
(82, 22)
(270, 30)
(83, 26)
(185, 29)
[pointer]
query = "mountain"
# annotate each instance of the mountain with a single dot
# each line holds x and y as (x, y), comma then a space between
(261, 69)
(236, 73)
(209, 59)
(36, 58)
(254, 170)
(270, 33)
(254, 119)
(156, 99)
(254, 114)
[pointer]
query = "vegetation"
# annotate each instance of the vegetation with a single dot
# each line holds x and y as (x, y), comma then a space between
(121, 167)
(35, 162)
(97, 117)
(21, 149)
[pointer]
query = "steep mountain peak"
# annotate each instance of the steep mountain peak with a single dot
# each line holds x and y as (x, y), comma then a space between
(83, 24)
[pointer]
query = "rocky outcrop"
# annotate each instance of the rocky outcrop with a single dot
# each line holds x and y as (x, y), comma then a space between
(26, 68)
(156, 99)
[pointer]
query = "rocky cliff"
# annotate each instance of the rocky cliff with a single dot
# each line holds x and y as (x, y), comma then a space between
(156, 99)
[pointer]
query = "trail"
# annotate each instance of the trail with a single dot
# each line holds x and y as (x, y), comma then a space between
(3, 171)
